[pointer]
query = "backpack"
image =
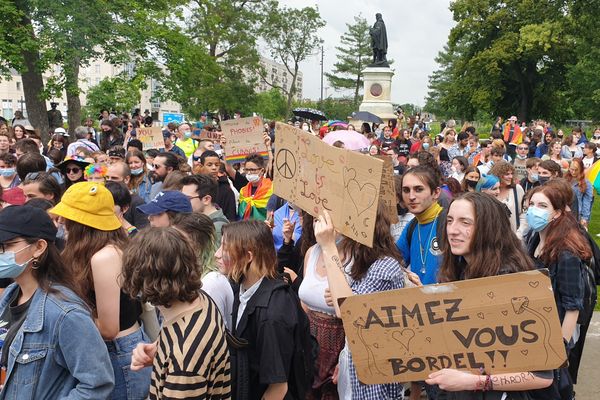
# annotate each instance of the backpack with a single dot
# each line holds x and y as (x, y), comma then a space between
(589, 292)
(304, 360)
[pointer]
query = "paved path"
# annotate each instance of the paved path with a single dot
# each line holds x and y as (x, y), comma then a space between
(589, 371)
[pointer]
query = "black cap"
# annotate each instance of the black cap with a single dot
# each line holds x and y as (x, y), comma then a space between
(26, 221)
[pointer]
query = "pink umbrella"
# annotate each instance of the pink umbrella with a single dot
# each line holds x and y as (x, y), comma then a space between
(352, 140)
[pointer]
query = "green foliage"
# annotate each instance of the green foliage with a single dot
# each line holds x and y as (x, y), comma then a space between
(353, 56)
(118, 93)
(334, 108)
(504, 58)
(211, 62)
(291, 36)
(271, 105)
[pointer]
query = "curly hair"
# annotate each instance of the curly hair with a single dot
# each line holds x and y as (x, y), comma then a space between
(502, 168)
(161, 266)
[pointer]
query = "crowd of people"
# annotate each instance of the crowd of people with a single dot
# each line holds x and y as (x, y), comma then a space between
(130, 273)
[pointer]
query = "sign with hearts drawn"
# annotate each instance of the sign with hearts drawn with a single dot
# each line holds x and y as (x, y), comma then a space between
(506, 323)
(316, 176)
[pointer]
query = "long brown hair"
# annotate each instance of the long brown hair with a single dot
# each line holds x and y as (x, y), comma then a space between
(135, 181)
(255, 236)
(563, 233)
(580, 178)
(82, 243)
(494, 247)
(383, 245)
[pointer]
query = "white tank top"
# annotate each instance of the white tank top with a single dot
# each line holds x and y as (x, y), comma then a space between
(312, 288)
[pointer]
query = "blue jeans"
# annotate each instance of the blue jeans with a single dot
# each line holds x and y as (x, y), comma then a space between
(129, 385)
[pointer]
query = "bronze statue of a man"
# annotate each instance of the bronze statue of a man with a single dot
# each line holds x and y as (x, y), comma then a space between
(379, 42)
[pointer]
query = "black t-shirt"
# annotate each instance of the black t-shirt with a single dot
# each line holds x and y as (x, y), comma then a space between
(403, 148)
(11, 320)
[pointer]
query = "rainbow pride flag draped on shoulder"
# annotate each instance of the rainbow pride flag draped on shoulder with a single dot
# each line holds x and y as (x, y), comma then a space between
(255, 207)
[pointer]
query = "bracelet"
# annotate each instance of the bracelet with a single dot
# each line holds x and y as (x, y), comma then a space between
(131, 229)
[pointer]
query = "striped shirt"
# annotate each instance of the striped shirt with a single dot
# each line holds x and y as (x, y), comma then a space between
(192, 361)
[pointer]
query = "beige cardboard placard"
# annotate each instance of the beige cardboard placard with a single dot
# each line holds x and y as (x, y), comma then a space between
(388, 187)
(316, 176)
(151, 137)
(244, 136)
(507, 323)
(206, 134)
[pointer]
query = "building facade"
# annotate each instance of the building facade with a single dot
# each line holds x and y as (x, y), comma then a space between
(13, 99)
(278, 75)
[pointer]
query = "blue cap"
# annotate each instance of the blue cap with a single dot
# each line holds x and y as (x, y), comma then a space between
(170, 200)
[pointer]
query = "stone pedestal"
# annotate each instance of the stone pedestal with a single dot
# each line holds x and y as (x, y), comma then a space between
(377, 97)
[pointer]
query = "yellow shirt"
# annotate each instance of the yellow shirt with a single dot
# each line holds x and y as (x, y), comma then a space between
(188, 146)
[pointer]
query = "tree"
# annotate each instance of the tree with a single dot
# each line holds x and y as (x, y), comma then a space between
(211, 63)
(353, 55)
(119, 93)
(291, 36)
(271, 105)
(509, 57)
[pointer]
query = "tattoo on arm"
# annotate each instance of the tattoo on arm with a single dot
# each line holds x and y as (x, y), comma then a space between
(513, 379)
(337, 262)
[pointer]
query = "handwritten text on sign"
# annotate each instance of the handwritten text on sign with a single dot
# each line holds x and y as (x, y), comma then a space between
(244, 136)
(316, 177)
(507, 323)
(388, 188)
(150, 137)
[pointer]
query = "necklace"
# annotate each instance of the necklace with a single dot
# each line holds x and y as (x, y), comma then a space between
(424, 250)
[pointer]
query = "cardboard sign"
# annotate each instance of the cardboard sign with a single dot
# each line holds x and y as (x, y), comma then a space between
(507, 323)
(244, 136)
(151, 137)
(199, 133)
(388, 187)
(316, 177)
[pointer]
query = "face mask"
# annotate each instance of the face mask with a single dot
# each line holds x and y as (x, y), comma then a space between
(187, 134)
(253, 178)
(520, 157)
(534, 177)
(305, 128)
(137, 172)
(543, 179)
(9, 267)
(7, 172)
(471, 184)
(425, 146)
(537, 219)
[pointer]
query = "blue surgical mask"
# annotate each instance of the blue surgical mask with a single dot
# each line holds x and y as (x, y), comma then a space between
(187, 134)
(8, 265)
(537, 219)
(425, 146)
(534, 177)
(7, 172)
(137, 172)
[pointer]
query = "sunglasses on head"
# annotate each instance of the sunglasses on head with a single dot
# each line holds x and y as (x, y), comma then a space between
(196, 158)
(74, 170)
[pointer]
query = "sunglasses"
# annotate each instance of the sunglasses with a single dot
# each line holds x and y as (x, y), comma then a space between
(195, 158)
(74, 170)
(523, 148)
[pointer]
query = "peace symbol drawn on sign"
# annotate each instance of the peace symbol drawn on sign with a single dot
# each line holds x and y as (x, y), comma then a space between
(286, 163)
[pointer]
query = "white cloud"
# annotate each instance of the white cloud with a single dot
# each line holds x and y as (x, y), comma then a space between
(416, 29)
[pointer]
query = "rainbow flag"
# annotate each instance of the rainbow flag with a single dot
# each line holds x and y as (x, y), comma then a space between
(240, 158)
(593, 176)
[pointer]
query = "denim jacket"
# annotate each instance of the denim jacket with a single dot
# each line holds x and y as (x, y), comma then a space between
(143, 190)
(584, 200)
(58, 352)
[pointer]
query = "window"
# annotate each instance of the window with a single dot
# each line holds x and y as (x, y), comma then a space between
(19, 86)
(7, 109)
(97, 66)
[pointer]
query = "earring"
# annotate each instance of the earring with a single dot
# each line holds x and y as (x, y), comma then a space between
(34, 264)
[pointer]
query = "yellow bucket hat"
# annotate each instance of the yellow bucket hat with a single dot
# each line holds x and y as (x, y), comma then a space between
(90, 204)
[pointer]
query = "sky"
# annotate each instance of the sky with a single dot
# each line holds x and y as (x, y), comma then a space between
(416, 29)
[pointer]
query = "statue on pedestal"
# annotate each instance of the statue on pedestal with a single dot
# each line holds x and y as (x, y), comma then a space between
(379, 43)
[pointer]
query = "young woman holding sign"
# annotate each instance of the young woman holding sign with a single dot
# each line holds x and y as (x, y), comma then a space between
(373, 270)
(477, 241)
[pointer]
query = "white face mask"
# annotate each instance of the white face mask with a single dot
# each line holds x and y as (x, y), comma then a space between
(252, 178)
(305, 128)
